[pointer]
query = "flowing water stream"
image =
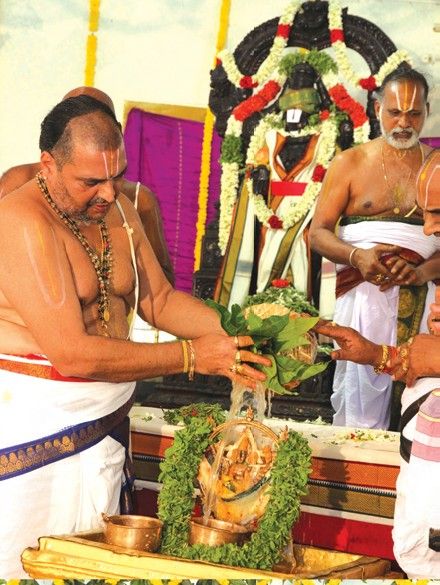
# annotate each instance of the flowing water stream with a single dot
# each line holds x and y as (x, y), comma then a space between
(241, 399)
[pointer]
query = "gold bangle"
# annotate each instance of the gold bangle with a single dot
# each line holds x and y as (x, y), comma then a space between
(185, 356)
(192, 360)
(383, 362)
(350, 258)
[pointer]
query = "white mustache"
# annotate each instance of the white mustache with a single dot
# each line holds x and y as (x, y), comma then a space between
(401, 130)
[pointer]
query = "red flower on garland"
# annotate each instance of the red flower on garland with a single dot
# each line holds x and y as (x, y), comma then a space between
(257, 102)
(345, 102)
(318, 174)
(247, 82)
(275, 222)
(337, 34)
(324, 115)
(368, 83)
(280, 283)
(283, 31)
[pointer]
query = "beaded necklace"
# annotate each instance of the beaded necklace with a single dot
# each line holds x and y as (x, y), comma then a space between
(399, 191)
(102, 265)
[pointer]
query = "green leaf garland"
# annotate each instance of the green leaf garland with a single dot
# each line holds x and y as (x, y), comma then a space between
(176, 500)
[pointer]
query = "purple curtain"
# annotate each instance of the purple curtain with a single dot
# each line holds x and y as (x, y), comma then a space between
(164, 153)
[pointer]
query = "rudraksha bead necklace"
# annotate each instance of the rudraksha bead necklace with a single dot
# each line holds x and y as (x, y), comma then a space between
(102, 265)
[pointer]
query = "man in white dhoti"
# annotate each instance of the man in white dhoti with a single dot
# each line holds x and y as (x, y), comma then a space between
(75, 262)
(416, 532)
(384, 261)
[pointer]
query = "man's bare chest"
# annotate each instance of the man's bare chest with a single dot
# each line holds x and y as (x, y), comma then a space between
(86, 274)
(374, 192)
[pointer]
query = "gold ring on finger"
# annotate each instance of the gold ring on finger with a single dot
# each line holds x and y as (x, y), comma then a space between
(378, 277)
(238, 357)
(239, 369)
(237, 345)
(234, 368)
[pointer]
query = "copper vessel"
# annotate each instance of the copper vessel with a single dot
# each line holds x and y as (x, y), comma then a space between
(215, 532)
(135, 532)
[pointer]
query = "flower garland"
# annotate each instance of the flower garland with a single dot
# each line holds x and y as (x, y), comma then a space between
(92, 43)
(271, 62)
(325, 152)
(176, 500)
(337, 39)
(208, 131)
(266, 94)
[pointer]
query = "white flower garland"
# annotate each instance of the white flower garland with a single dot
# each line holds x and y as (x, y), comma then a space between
(326, 149)
(271, 61)
(341, 56)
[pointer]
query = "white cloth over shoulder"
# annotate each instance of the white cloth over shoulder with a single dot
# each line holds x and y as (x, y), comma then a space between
(68, 495)
(360, 397)
(417, 510)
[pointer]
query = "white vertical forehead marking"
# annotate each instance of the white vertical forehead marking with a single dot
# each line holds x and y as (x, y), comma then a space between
(394, 89)
(411, 106)
(104, 157)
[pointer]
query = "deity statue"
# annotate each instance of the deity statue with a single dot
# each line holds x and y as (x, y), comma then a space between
(269, 232)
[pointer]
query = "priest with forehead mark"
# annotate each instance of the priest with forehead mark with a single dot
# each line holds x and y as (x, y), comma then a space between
(75, 263)
(368, 222)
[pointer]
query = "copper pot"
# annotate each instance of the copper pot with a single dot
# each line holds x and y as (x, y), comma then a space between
(215, 532)
(135, 532)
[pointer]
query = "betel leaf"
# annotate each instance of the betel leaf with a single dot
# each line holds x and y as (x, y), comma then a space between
(269, 327)
(238, 321)
(293, 333)
(225, 315)
(273, 336)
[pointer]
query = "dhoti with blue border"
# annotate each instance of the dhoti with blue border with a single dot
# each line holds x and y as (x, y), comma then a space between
(60, 468)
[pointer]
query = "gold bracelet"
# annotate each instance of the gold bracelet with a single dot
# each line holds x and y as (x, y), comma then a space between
(185, 356)
(192, 360)
(350, 258)
(383, 362)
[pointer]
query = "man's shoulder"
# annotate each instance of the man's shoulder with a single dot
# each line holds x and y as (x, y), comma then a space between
(356, 154)
(24, 205)
(17, 176)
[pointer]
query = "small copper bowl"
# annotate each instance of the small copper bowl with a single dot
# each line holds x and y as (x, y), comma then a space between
(135, 532)
(215, 532)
